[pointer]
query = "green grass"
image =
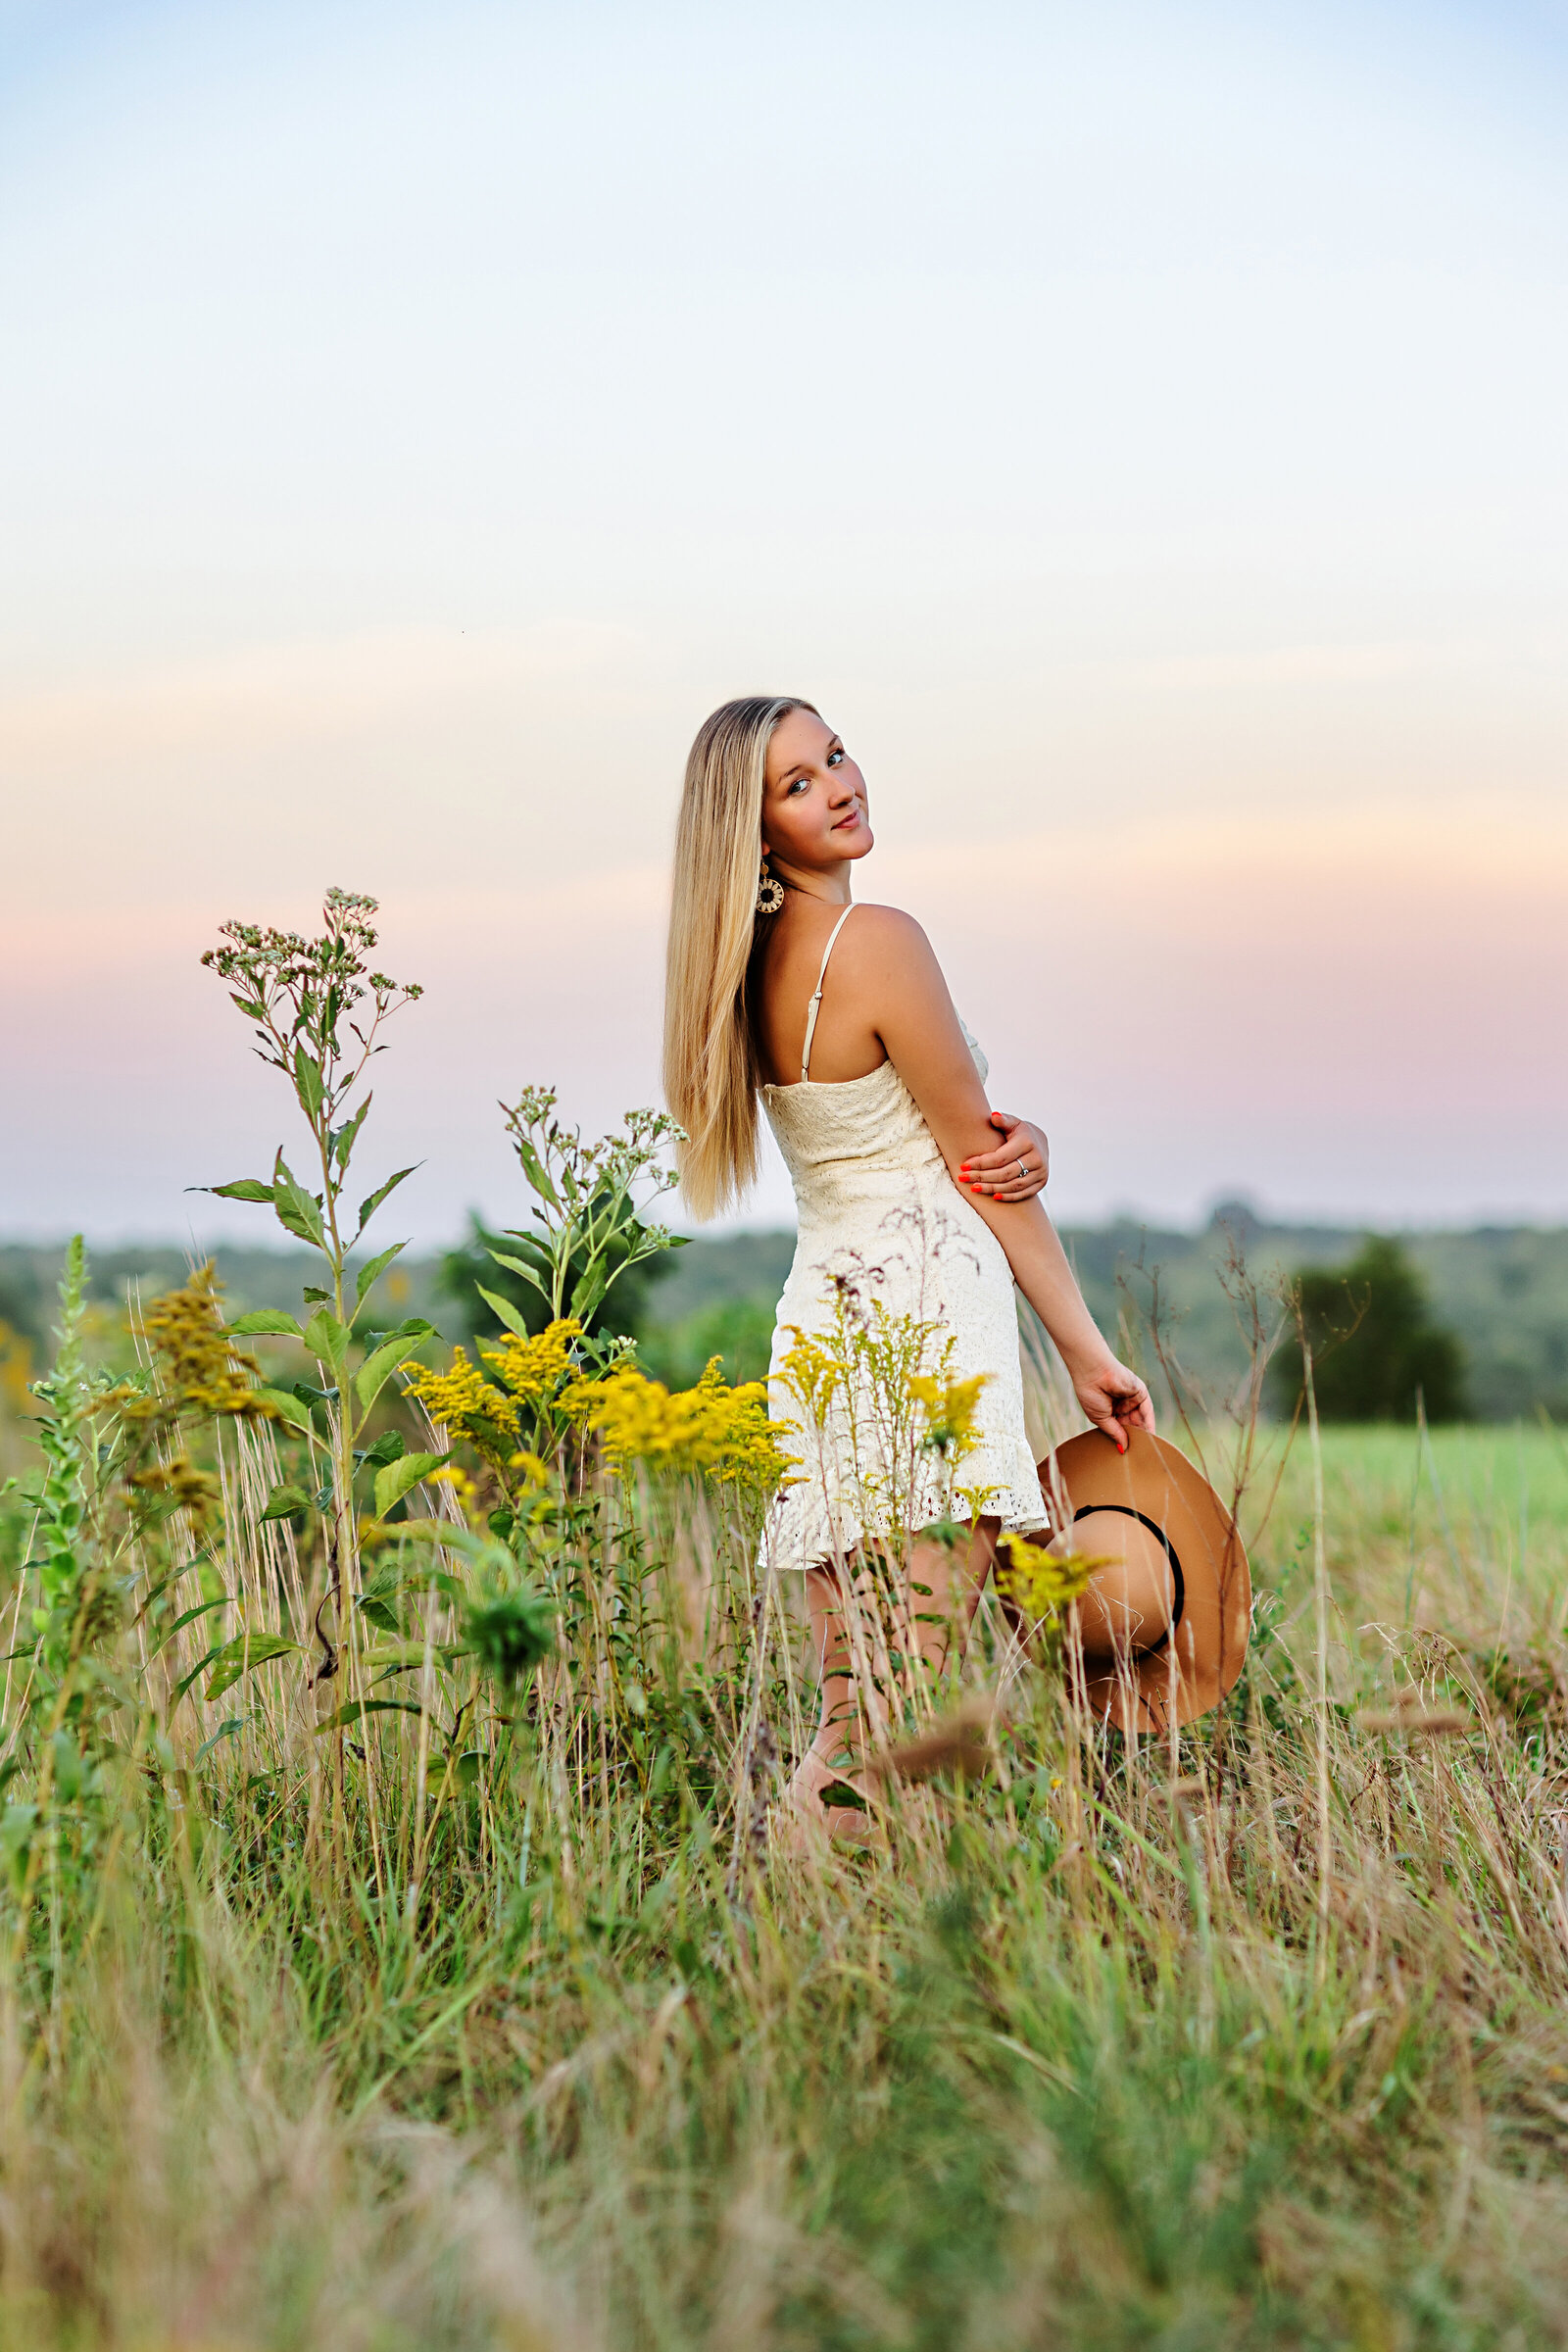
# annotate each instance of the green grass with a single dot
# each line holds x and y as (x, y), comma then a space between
(1486, 1478)
(1076, 2063)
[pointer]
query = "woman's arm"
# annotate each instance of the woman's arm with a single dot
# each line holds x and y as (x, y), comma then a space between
(908, 1001)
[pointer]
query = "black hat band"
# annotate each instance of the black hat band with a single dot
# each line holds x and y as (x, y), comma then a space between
(1163, 1541)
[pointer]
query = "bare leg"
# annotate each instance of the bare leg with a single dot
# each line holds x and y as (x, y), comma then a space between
(943, 1613)
(940, 1595)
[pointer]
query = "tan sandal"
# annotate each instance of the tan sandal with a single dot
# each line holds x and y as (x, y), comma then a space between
(805, 1815)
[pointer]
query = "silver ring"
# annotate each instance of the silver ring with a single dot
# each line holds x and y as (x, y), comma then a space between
(1022, 1171)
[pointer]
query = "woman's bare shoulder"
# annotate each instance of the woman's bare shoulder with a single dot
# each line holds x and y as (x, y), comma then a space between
(887, 934)
(891, 966)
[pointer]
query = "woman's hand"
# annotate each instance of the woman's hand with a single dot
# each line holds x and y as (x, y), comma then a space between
(1114, 1399)
(1018, 1166)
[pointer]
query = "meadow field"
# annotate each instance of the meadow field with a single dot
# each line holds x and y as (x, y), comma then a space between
(1103, 2048)
(399, 1947)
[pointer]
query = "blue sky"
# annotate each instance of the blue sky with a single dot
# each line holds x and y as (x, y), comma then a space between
(1140, 427)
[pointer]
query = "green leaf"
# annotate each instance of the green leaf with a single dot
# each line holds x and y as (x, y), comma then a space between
(532, 1247)
(505, 1309)
(265, 1319)
(202, 1609)
(238, 1656)
(189, 1616)
(394, 1482)
(244, 1187)
(533, 1168)
(367, 1208)
(199, 1669)
(224, 1730)
(368, 1276)
(287, 1406)
(408, 1575)
(309, 1083)
(379, 1615)
(378, 1368)
(347, 1715)
(283, 1502)
(389, 1446)
(588, 1290)
(448, 1533)
(346, 1136)
(533, 1274)
(298, 1211)
(155, 1593)
(327, 1340)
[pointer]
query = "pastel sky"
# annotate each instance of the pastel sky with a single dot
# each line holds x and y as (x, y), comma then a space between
(1139, 426)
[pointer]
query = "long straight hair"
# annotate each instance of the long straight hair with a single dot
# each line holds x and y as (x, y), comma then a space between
(711, 1072)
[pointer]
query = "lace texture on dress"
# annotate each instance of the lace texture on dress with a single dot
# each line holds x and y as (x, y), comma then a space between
(886, 1235)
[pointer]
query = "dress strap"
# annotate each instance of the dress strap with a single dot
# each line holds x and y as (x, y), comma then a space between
(816, 1000)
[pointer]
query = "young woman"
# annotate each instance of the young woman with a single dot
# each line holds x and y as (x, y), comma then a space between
(839, 1017)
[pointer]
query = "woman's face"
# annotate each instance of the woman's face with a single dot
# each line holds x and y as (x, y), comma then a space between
(813, 797)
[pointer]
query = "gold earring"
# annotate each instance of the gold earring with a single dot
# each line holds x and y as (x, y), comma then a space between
(769, 892)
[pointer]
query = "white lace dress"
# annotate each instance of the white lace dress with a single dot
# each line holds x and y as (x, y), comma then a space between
(884, 1234)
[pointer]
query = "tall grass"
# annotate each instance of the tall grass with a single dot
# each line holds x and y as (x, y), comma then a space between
(398, 1948)
(1109, 2049)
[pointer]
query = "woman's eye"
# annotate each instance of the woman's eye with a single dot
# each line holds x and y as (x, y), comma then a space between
(800, 784)
(834, 758)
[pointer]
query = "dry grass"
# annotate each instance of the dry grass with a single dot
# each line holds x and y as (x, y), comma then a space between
(1105, 2049)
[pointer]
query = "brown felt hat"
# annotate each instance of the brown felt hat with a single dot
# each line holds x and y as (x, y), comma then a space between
(1161, 1631)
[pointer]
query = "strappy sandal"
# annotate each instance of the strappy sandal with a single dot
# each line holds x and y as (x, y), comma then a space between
(806, 1817)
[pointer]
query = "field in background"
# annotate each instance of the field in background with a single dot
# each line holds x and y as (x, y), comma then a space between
(1505, 1291)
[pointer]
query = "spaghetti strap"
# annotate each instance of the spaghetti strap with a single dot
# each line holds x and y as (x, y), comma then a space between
(816, 1000)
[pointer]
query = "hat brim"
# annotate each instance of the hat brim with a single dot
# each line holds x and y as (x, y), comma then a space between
(1197, 1662)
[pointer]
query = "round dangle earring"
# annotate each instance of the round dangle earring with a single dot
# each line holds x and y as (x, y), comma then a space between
(769, 892)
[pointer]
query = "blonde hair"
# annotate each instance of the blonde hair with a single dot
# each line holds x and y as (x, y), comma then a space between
(710, 1073)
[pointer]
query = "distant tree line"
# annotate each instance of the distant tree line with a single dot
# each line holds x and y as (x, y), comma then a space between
(1378, 1353)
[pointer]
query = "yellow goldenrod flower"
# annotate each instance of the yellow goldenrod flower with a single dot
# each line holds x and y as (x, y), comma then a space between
(950, 1408)
(186, 1487)
(815, 1371)
(1041, 1583)
(723, 1432)
(467, 1405)
(462, 1484)
(533, 1369)
(200, 1370)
